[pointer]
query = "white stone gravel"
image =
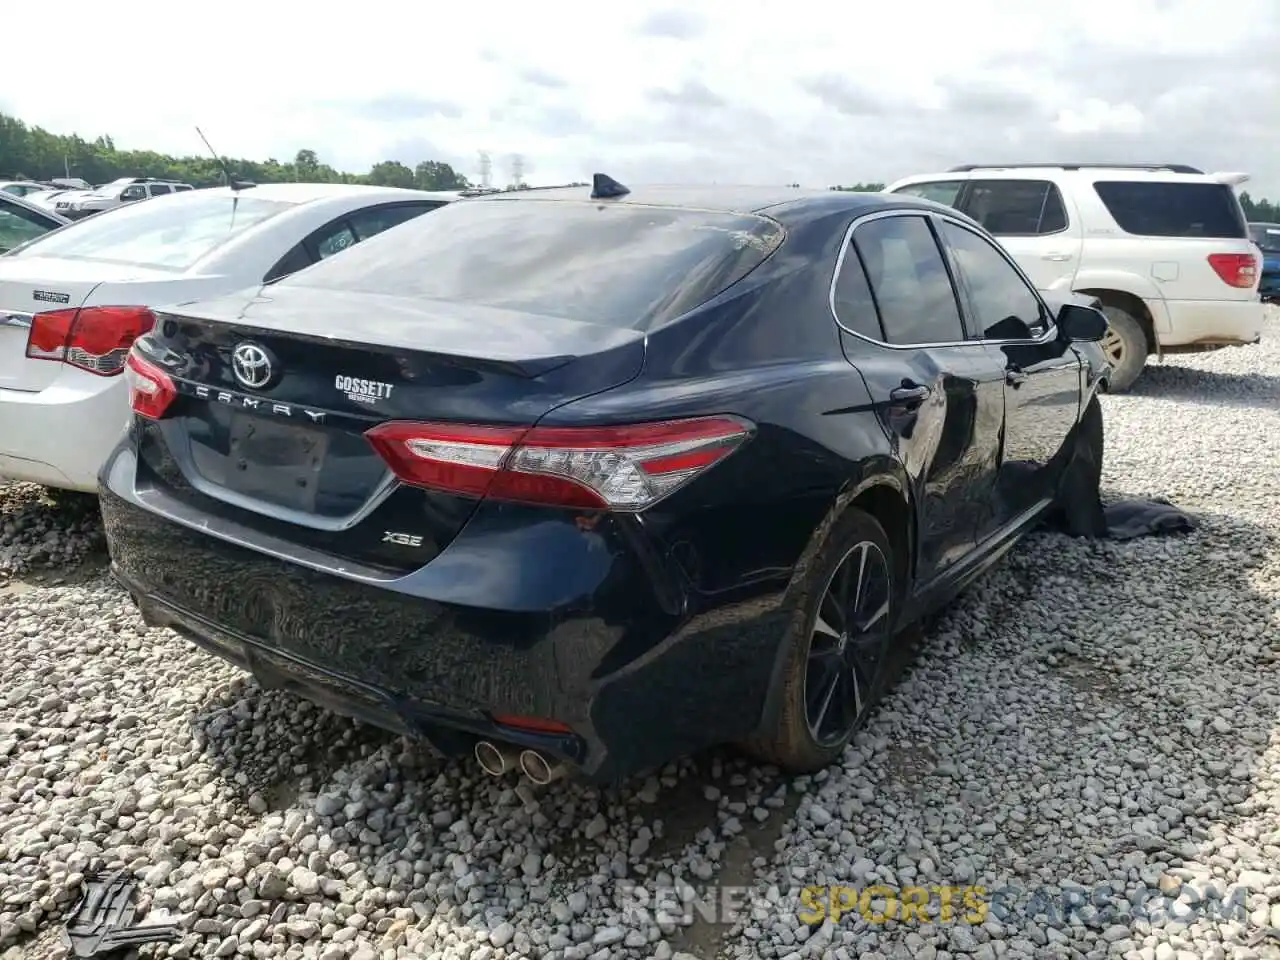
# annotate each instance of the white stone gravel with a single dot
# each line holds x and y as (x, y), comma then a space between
(1092, 714)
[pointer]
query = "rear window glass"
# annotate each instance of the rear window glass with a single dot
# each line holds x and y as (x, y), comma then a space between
(1266, 235)
(620, 265)
(168, 234)
(1155, 209)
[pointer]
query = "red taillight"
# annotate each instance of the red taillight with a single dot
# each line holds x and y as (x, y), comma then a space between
(531, 724)
(150, 388)
(96, 339)
(593, 468)
(1236, 269)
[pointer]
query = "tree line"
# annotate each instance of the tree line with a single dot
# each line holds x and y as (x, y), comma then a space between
(33, 153)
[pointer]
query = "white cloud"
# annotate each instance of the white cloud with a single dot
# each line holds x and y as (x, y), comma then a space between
(765, 92)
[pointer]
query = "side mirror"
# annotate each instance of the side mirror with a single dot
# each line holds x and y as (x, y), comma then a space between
(1081, 324)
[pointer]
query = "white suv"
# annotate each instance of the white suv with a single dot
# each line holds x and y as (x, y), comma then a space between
(1164, 247)
(116, 194)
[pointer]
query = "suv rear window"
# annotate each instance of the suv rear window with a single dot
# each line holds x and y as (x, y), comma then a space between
(1163, 209)
(168, 236)
(1266, 235)
(622, 265)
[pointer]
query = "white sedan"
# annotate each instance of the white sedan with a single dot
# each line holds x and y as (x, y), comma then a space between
(73, 301)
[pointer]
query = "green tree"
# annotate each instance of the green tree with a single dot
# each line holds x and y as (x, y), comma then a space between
(437, 175)
(28, 152)
(391, 173)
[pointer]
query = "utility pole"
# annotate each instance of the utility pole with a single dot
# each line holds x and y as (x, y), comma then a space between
(517, 171)
(486, 170)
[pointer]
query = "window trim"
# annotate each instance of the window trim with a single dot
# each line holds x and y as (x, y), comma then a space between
(963, 197)
(1050, 335)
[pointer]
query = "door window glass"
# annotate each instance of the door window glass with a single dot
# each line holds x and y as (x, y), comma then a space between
(910, 281)
(1006, 307)
(1016, 208)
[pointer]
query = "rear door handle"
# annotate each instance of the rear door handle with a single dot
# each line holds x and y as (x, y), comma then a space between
(1056, 257)
(910, 393)
(1015, 377)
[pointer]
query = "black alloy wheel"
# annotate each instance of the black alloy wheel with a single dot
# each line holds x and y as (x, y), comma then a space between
(848, 646)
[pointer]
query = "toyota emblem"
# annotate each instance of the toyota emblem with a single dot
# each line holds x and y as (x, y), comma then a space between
(251, 365)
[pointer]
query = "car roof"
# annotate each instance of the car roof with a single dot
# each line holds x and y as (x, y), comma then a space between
(714, 197)
(309, 192)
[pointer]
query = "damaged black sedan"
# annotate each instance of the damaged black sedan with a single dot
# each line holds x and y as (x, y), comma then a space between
(581, 480)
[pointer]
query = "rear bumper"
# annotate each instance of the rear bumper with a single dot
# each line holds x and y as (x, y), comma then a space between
(615, 655)
(1212, 323)
(61, 435)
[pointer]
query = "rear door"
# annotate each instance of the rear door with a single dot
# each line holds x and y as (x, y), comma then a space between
(1041, 371)
(1033, 221)
(940, 394)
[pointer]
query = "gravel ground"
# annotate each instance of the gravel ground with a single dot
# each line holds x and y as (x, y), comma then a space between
(1094, 717)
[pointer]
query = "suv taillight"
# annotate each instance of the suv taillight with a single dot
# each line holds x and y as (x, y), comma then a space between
(1237, 269)
(625, 468)
(96, 339)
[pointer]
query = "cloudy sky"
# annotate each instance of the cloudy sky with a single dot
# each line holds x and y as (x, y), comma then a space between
(807, 91)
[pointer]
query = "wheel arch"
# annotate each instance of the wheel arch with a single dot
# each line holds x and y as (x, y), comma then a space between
(1132, 304)
(882, 489)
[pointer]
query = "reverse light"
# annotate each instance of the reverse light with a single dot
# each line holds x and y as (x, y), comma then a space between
(1237, 269)
(151, 390)
(95, 339)
(595, 468)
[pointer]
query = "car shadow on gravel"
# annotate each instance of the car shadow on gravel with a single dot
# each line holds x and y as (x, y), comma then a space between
(1176, 383)
(1118, 757)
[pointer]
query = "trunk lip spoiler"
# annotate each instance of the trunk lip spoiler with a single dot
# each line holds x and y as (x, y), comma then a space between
(527, 369)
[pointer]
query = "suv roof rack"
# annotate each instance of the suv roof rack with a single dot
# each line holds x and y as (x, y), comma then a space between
(1170, 167)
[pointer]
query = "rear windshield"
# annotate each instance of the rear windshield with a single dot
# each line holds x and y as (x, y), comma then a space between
(1156, 209)
(622, 265)
(169, 234)
(1266, 235)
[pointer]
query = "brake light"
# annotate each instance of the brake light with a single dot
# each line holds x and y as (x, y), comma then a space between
(1236, 269)
(151, 391)
(595, 468)
(96, 339)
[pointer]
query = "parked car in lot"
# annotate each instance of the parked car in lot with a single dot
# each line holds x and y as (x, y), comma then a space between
(72, 302)
(584, 479)
(1165, 247)
(21, 221)
(1267, 237)
(116, 194)
(21, 188)
(47, 198)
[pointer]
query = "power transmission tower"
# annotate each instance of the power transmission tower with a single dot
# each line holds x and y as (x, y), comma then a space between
(486, 170)
(517, 171)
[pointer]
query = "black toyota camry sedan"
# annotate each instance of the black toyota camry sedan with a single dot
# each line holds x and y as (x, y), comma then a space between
(581, 480)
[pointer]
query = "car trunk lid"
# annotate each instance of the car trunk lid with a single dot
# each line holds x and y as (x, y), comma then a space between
(275, 395)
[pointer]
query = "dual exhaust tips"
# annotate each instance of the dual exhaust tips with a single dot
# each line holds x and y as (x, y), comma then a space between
(496, 760)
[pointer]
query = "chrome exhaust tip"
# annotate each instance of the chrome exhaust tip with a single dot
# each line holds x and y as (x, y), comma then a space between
(539, 769)
(493, 759)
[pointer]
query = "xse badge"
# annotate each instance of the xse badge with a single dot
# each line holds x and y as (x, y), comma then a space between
(363, 391)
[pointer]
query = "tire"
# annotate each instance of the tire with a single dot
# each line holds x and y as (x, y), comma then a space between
(1125, 346)
(1078, 505)
(791, 743)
